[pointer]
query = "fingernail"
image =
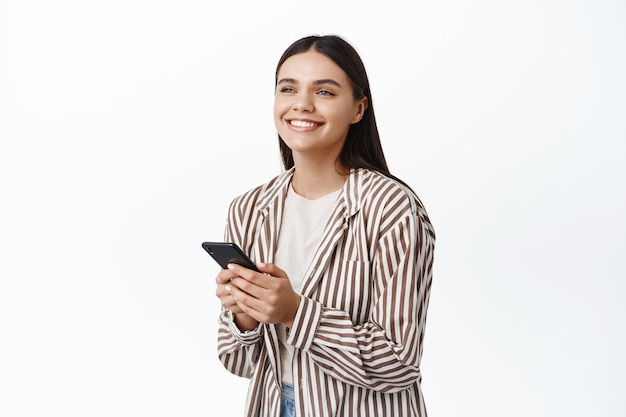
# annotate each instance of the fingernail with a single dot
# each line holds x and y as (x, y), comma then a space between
(227, 288)
(262, 265)
(230, 266)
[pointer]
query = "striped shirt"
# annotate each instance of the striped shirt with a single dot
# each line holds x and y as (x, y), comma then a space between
(358, 333)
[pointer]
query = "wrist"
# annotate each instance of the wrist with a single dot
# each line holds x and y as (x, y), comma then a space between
(294, 312)
(244, 322)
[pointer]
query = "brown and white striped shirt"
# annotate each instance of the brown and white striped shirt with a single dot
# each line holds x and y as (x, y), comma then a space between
(358, 333)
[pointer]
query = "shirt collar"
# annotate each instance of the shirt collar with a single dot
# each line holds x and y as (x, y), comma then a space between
(350, 196)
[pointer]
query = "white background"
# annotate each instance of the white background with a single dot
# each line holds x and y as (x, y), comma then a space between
(127, 127)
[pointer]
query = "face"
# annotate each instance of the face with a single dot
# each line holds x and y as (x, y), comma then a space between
(314, 106)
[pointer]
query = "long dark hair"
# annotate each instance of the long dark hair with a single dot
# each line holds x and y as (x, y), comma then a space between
(362, 148)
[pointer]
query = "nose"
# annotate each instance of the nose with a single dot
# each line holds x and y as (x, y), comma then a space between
(303, 102)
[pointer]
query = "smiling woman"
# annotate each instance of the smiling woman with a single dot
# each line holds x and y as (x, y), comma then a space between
(333, 323)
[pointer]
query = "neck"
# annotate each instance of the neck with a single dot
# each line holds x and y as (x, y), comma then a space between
(313, 181)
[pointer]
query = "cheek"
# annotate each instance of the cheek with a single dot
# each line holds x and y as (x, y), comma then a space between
(344, 117)
(279, 108)
(278, 116)
(277, 112)
(341, 113)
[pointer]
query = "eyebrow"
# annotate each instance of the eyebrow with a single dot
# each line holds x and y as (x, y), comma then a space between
(316, 82)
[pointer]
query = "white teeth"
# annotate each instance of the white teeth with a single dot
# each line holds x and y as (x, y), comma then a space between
(301, 123)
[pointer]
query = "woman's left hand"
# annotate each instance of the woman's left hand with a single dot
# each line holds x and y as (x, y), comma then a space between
(266, 296)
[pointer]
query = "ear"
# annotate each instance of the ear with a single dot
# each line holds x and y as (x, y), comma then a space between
(361, 106)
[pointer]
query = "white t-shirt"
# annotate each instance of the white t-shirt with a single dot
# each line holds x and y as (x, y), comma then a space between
(300, 233)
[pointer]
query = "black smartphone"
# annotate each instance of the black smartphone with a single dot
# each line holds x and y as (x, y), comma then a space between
(226, 253)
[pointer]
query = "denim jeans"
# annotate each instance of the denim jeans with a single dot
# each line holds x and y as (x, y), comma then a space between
(287, 406)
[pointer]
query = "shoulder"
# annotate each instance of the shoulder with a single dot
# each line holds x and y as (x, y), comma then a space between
(377, 187)
(262, 194)
(392, 197)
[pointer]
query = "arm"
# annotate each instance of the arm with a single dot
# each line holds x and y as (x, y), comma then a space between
(238, 349)
(383, 353)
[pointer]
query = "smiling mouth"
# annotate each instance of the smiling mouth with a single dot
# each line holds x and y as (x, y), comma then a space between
(302, 123)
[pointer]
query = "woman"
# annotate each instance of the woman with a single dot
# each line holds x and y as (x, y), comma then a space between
(334, 323)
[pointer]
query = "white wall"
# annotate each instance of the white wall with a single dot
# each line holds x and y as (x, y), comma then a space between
(127, 127)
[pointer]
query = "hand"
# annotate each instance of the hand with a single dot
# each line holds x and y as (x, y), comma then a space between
(266, 296)
(223, 292)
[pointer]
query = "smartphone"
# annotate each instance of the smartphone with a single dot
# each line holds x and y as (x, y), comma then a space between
(226, 253)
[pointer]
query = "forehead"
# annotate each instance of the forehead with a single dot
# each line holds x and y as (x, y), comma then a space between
(310, 66)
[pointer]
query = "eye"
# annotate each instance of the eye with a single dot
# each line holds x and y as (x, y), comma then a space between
(325, 93)
(287, 90)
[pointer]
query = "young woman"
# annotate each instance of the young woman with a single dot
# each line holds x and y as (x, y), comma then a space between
(333, 325)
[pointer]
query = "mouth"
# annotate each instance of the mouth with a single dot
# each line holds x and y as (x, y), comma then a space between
(303, 124)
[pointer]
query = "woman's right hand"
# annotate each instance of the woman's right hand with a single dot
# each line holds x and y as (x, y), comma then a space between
(223, 292)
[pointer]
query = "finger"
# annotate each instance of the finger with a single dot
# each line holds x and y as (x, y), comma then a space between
(272, 269)
(235, 309)
(224, 276)
(228, 301)
(255, 286)
(257, 309)
(222, 291)
(246, 304)
(248, 280)
(243, 298)
(241, 271)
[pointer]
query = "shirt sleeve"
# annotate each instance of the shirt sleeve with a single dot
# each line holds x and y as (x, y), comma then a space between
(383, 353)
(237, 350)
